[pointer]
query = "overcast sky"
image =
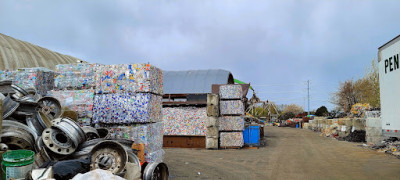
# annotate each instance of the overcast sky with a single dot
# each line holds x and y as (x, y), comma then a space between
(276, 45)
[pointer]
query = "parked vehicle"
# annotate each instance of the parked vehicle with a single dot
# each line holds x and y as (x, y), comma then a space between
(389, 78)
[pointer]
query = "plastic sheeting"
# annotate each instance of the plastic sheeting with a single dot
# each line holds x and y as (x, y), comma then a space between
(80, 101)
(75, 76)
(231, 139)
(230, 92)
(129, 78)
(234, 107)
(184, 121)
(150, 134)
(231, 123)
(127, 108)
(42, 79)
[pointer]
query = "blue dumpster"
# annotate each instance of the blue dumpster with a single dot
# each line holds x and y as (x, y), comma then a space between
(251, 135)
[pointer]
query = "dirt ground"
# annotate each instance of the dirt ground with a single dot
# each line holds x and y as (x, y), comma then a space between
(288, 154)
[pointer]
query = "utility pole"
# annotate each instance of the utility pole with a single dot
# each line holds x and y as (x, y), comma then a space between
(308, 92)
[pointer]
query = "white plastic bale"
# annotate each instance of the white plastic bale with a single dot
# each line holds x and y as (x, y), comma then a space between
(76, 76)
(39, 78)
(80, 101)
(151, 135)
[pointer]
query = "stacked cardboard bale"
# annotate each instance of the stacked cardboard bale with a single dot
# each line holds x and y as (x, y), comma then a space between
(130, 95)
(231, 121)
(39, 78)
(212, 124)
(74, 86)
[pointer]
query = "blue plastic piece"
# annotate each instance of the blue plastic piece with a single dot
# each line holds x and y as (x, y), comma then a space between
(251, 136)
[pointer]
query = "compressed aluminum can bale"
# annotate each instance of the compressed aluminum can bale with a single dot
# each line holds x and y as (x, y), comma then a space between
(127, 108)
(230, 92)
(129, 78)
(212, 122)
(212, 132)
(184, 121)
(211, 143)
(7, 75)
(212, 99)
(231, 139)
(80, 101)
(212, 110)
(231, 123)
(151, 135)
(39, 78)
(156, 156)
(232, 107)
(75, 76)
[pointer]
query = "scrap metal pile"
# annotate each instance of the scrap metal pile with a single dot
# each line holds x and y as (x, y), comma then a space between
(389, 146)
(89, 111)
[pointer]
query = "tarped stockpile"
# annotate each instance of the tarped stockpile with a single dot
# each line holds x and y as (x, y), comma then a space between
(184, 121)
(231, 139)
(75, 76)
(233, 107)
(42, 79)
(127, 108)
(231, 123)
(7, 75)
(80, 101)
(230, 92)
(132, 78)
(149, 134)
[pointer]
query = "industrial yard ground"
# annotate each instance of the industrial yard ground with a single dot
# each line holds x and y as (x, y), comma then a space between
(288, 153)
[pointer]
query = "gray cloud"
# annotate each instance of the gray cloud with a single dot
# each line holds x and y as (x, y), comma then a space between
(262, 42)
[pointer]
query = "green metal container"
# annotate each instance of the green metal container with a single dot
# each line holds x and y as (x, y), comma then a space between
(17, 164)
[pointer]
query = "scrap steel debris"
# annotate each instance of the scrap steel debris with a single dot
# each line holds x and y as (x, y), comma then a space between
(37, 122)
(389, 146)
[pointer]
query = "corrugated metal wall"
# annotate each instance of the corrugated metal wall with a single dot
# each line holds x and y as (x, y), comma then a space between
(16, 54)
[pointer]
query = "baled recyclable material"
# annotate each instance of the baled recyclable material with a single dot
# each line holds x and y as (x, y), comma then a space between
(231, 139)
(231, 123)
(129, 78)
(151, 135)
(39, 78)
(234, 107)
(184, 121)
(80, 101)
(7, 75)
(230, 92)
(127, 108)
(76, 76)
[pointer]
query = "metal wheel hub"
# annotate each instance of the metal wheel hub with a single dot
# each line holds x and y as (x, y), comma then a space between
(72, 130)
(109, 155)
(58, 141)
(50, 107)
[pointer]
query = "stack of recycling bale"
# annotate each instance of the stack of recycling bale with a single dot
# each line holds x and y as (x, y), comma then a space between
(231, 121)
(38, 78)
(74, 86)
(128, 100)
(212, 134)
(184, 121)
(7, 74)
